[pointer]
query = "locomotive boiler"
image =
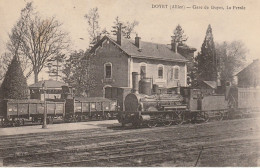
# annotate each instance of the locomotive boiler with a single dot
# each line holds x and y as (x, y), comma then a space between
(150, 106)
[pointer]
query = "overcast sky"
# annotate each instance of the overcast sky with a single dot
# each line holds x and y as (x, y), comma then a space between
(155, 24)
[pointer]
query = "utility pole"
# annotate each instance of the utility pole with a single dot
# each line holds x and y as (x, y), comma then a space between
(44, 124)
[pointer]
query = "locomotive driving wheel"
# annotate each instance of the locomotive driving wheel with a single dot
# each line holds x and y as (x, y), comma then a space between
(178, 119)
(167, 120)
(152, 123)
(205, 116)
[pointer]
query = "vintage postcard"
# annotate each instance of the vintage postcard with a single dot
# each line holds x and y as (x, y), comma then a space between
(112, 83)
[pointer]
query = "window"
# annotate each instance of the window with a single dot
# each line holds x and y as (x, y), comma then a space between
(160, 71)
(108, 70)
(176, 72)
(142, 70)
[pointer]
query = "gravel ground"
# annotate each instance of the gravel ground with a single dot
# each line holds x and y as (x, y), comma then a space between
(106, 143)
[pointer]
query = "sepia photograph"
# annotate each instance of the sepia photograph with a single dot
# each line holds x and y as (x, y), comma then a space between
(129, 83)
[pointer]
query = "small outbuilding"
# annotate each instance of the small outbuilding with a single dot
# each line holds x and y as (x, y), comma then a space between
(249, 76)
(53, 89)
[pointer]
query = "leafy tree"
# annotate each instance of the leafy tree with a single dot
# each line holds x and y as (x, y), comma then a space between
(126, 28)
(232, 56)
(38, 39)
(207, 60)
(76, 73)
(14, 85)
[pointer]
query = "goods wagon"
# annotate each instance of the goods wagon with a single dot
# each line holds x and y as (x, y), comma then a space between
(16, 112)
(87, 108)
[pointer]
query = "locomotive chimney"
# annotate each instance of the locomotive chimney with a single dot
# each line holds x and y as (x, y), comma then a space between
(135, 82)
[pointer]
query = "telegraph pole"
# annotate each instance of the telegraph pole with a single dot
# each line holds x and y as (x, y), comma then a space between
(44, 124)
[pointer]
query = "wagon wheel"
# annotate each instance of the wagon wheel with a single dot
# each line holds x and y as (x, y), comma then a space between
(106, 116)
(219, 116)
(79, 118)
(84, 118)
(23, 122)
(152, 123)
(206, 117)
(136, 124)
(16, 123)
(167, 120)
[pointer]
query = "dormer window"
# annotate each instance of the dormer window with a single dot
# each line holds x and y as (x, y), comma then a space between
(108, 70)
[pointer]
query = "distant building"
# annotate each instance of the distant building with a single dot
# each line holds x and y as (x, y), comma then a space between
(249, 76)
(114, 59)
(53, 89)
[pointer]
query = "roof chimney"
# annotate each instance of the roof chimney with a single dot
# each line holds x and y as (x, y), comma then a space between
(119, 34)
(98, 37)
(174, 44)
(138, 42)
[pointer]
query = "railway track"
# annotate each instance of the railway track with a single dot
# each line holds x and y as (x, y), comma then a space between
(64, 142)
(144, 147)
(122, 152)
(75, 134)
(100, 150)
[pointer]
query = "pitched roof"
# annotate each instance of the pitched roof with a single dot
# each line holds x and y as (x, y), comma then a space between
(212, 84)
(48, 84)
(254, 64)
(148, 50)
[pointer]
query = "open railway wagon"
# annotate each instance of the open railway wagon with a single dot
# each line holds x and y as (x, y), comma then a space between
(90, 108)
(18, 112)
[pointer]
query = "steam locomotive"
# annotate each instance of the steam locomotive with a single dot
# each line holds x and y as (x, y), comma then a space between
(150, 107)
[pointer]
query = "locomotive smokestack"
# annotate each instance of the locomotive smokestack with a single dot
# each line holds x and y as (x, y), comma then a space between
(135, 82)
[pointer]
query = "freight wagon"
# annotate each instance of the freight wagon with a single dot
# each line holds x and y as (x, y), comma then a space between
(16, 112)
(88, 108)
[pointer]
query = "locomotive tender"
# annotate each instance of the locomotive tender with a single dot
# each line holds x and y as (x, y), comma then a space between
(146, 107)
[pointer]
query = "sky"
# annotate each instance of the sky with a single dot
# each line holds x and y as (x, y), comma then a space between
(156, 20)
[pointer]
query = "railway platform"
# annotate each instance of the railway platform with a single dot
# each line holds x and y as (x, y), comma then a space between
(57, 127)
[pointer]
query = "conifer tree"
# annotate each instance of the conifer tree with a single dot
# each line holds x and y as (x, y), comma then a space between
(207, 60)
(179, 35)
(14, 85)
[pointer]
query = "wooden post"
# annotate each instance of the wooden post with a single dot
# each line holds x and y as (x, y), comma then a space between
(44, 125)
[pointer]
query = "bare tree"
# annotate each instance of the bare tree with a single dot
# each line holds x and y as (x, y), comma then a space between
(93, 23)
(127, 28)
(130, 26)
(40, 40)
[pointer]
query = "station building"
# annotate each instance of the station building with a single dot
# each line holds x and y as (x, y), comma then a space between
(113, 59)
